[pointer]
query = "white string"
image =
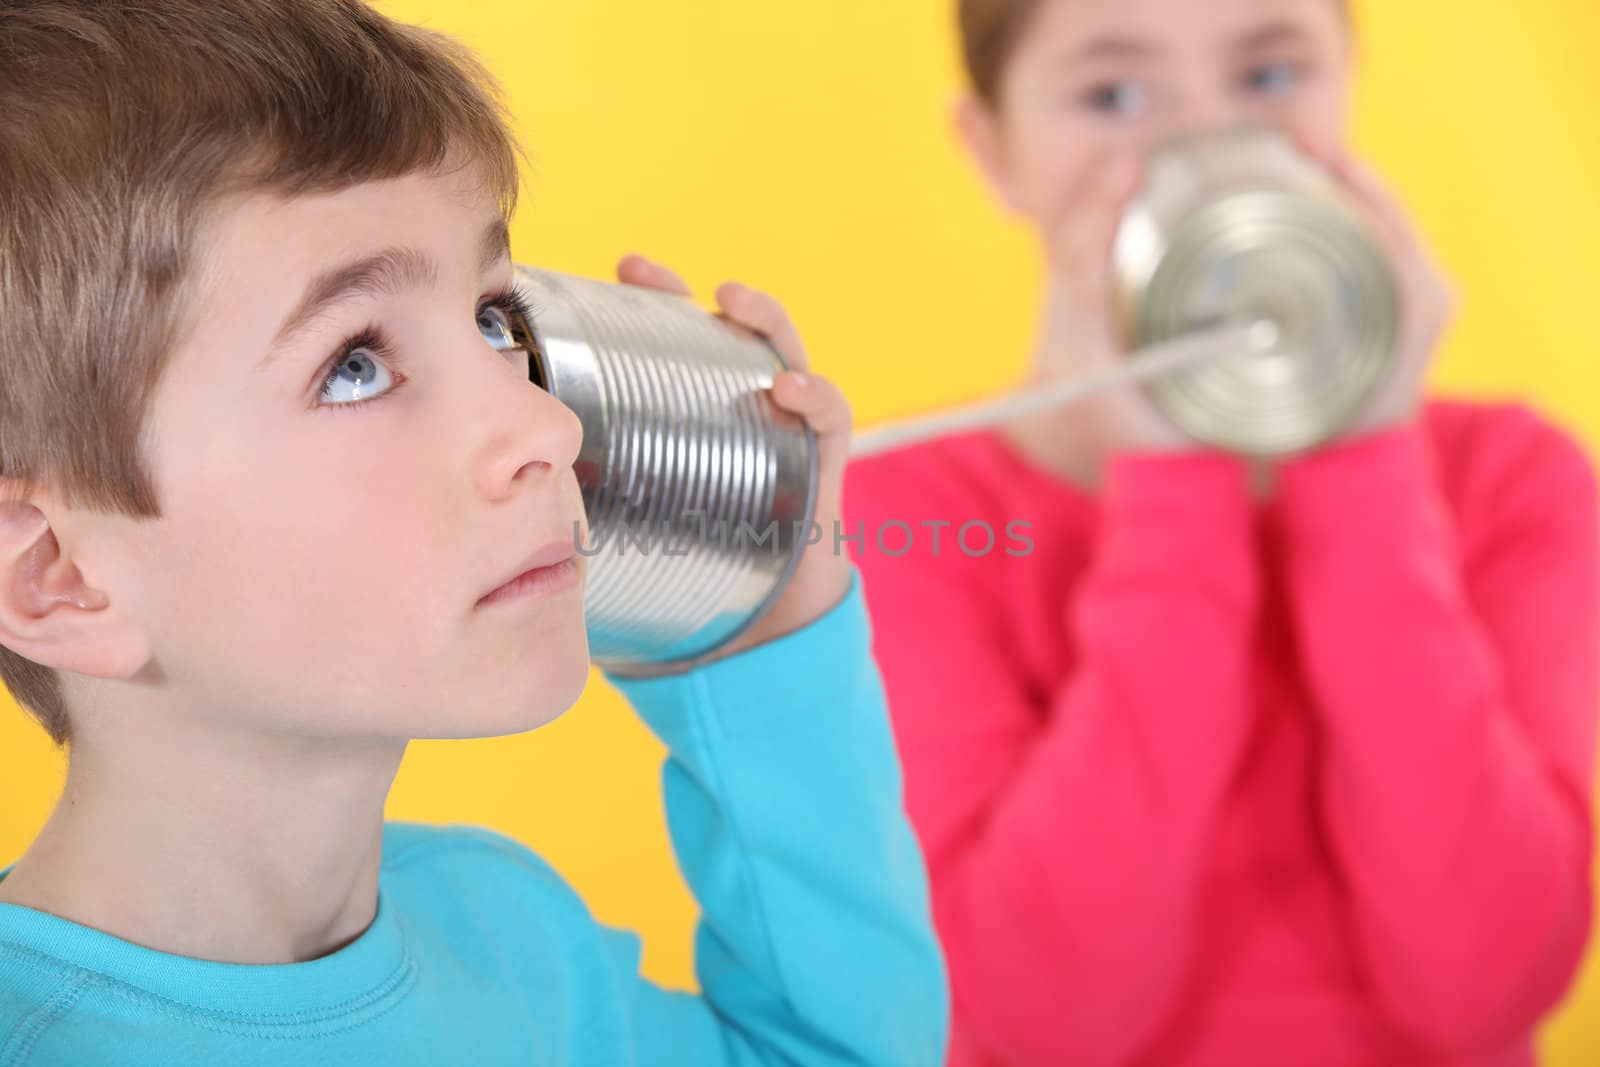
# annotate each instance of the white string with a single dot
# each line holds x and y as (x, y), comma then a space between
(1150, 362)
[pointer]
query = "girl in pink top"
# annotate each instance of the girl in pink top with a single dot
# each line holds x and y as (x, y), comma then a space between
(1219, 764)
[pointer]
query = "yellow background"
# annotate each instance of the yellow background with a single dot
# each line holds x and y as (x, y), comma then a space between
(804, 147)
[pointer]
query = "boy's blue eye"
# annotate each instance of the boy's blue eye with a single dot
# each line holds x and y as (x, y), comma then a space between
(498, 327)
(1273, 78)
(1116, 98)
(360, 371)
(357, 376)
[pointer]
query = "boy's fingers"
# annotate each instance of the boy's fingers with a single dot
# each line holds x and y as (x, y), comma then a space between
(634, 269)
(764, 314)
(819, 401)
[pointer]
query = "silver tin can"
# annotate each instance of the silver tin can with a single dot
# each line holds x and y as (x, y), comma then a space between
(1239, 225)
(699, 491)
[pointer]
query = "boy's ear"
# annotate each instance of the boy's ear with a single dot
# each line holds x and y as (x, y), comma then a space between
(48, 613)
(979, 128)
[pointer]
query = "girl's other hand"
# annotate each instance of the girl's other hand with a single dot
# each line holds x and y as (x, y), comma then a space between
(1427, 298)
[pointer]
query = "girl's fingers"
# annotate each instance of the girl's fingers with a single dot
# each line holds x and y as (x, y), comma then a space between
(764, 314)
(1425, 288)
(1088, 233)
(636, 270)
(1372, 193)
(1379, 201)
(1073, 208)
(1316, 144)
(1359, 180)
(1415, 257)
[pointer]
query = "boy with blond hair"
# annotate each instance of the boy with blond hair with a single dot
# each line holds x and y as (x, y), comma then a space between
(270, 508)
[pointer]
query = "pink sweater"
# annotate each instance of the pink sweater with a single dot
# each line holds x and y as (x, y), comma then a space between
(1210, 783)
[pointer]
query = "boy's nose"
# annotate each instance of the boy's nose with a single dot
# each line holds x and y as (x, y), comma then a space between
(532, 437)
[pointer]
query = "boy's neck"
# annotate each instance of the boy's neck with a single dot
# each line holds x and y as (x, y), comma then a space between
(214, 849)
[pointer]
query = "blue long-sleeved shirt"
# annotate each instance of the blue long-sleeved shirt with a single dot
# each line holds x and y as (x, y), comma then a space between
(783, 798)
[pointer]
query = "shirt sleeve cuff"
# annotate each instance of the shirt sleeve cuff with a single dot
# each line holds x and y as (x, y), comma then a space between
(800, 676)
(1382, 483)
(1171, 513)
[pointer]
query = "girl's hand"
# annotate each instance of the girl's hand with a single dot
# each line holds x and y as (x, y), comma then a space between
(1079, 334)
(822, 577)
(1427, 298)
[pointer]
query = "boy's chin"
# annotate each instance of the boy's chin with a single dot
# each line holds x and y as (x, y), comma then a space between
(513, 710)
(497, 723)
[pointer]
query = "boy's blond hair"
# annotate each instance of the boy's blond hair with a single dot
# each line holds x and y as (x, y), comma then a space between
(120, 122)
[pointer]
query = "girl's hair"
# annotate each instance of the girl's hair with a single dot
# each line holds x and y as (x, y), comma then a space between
(121, 123)
(989, 33)
(990, 30)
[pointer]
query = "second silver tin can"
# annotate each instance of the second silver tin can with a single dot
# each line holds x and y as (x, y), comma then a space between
(1238, 225)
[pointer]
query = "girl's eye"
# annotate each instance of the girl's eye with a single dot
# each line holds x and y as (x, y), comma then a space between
(1272, 79)
(1116, 98)
(497, 327)
(359, 374)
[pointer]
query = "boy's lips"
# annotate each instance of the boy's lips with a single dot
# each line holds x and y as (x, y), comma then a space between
(551, 555)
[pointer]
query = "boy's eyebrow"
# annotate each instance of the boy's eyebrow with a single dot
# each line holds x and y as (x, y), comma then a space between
(387, 272)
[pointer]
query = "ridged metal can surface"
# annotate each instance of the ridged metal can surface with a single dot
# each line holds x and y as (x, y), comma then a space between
(699, 491)
(1238, 225)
